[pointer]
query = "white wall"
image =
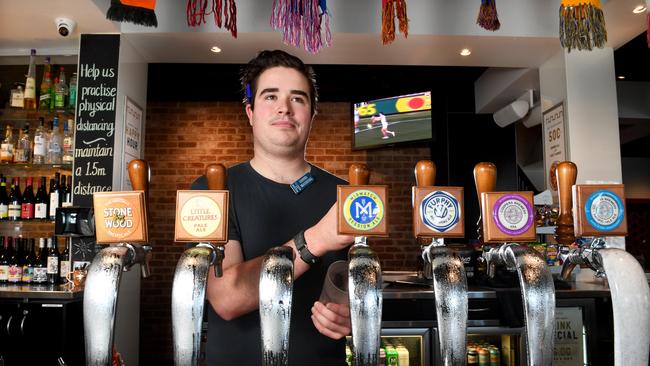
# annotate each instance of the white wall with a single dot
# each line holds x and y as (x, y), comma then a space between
(131, 82)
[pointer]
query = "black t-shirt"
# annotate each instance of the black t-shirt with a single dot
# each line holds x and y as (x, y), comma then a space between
(264, 214)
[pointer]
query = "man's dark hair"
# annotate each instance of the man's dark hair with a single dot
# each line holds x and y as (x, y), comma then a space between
(268, 59)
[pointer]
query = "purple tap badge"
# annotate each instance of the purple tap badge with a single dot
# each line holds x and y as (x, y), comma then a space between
(513, 214)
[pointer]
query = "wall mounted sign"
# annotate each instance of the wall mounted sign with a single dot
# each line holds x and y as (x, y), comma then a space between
(554, 143)
(132, 143)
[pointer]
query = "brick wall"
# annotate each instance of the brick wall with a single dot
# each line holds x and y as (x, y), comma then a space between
(182, 138)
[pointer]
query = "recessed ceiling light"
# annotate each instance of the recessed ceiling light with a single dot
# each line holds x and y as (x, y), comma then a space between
(620, 77)
(639, 9)
(215, 49)
(465, 52)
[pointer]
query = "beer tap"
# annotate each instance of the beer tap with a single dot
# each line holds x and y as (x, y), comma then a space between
(197, 210)
(507, 217)
(120, 219)
(437, 214)
(362, 213)
(600, 212)
(276, 293)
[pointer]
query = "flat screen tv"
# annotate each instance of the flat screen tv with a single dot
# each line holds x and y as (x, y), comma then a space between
(388, 121)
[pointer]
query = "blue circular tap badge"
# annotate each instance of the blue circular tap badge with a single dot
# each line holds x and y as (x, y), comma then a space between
(440, 211)
(363, 210)
(513, 214)
(604, 210)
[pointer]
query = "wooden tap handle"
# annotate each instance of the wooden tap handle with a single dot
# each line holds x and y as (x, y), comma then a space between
(485, 178)
(216, 175)
(425, 173)
(139, 175)
(359, 175)
(566, 174)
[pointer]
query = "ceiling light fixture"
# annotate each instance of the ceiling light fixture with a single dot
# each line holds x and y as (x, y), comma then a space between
(621, 77)
(639, 9)
(215, 49)
(465, 52)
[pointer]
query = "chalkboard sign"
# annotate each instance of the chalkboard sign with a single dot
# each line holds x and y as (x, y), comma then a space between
(95, 124)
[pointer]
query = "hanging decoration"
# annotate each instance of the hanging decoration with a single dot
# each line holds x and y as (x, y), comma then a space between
(390, 9)
(139, 12)
(487, 15)
(224, 11)
(301, 21)
(582, 24)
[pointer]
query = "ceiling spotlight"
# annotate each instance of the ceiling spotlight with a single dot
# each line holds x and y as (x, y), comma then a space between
(620, 77)
(465, 52)
(639, 9)
(215, 49)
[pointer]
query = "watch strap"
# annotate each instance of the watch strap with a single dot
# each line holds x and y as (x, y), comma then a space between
(301, 246)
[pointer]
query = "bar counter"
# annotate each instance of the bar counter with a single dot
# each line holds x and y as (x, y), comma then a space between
(40, 292)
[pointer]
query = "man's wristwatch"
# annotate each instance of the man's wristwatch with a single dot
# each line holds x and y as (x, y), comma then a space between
(301, 246)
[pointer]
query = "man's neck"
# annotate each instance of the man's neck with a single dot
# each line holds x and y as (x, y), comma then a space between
(281, 170)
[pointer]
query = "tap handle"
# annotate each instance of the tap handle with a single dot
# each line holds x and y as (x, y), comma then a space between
(359, 175)
(216, 175)
(567, 173)
(425, 173)
(485, 178)
(145, 267)
(139, 175)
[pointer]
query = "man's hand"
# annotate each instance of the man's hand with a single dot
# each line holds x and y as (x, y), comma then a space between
(323, 237)
(331, 320)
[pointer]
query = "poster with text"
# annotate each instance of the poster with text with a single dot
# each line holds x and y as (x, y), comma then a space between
(569, 337)
(133, 116)
(554, 144)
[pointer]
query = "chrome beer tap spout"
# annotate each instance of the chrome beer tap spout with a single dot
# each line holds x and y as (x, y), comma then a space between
(538, 294)
(584, 254)
(450, 291)
(188, 294)
(276, 293)
(365, 295)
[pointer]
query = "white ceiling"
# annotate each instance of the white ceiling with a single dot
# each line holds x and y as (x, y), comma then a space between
(439, 29)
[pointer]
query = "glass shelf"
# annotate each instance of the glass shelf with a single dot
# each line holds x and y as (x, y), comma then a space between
(28, 166)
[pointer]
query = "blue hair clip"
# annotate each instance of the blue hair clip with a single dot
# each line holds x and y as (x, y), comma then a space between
(248, 92)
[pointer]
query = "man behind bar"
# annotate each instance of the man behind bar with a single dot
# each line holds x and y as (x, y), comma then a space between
(280, 98)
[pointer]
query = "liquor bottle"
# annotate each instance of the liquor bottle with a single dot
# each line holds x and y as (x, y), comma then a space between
(29, 261)
(16, 262)
(40, 266)
(66, 262)
(40, 202)
(40, 143)
(46, 85)
(54, 199)
(72, 101)
(28, 202)
(66, 201)
(4, 261)
(53, 262)
(17, 99)
(53, 93)
(7, 147)
(30, 84)
(23, 151)
(4, 199)
(54, 144)
(15, 201)
(60, 95)
(68, 142)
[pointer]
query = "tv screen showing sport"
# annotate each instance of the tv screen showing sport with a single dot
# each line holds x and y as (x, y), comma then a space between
(392, 120)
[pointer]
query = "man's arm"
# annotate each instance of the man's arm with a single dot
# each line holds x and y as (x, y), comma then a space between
(237, 292)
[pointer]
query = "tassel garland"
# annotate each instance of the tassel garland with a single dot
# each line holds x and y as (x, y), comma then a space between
(224, 11)
(582, 25)
(390, 9)
(487, 15)
(139, 12)
(301, 22)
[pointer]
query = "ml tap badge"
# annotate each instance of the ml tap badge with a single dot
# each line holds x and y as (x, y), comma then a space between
(362, 208)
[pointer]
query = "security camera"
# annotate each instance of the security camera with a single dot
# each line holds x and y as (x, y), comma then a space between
(65, 26)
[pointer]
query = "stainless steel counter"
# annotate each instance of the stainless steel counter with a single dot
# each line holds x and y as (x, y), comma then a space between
(40, 292)
(406, 285)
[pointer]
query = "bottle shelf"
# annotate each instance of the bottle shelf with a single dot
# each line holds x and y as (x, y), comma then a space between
(34, 167)
(17, 114)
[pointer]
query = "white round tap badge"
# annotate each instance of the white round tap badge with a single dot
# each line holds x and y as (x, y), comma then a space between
(513, 214)
(604, 210)
(363, 210)
(440, 211)
(200, 216)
